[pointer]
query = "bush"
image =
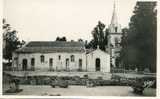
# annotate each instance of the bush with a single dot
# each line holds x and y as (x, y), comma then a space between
(100, 78)
(115, 78)
(7, 66)
(85, 76)
(146, 70)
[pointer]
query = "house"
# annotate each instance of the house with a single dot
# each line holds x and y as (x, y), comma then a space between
(60, 56)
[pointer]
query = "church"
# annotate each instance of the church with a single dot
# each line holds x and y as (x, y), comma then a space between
(60, 56)
(69, 55)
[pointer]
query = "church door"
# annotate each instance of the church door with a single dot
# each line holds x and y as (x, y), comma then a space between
(50, 64)
(80, 64)
(67, 64)
(98, 64)
(24, 64)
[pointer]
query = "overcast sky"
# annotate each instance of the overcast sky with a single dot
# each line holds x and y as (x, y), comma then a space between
(46, 19)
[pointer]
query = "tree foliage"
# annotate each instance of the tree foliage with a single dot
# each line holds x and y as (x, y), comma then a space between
(61, 38)
(10, 41)
(141, 40)
(100, 37)
(123, 53)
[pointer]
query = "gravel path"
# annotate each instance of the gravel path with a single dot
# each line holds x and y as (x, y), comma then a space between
(77, 91)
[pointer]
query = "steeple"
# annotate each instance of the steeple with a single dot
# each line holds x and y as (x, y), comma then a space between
(115, 35)
(114, 20)
(114, 27)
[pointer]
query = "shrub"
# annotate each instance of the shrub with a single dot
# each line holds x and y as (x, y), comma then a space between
(85, 76)
(146, 70)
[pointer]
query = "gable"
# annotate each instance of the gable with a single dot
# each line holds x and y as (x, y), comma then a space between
(98, 51)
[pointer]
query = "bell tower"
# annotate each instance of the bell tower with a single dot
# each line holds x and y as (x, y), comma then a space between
(114, 37)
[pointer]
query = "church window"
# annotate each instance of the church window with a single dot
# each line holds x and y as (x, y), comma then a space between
(116, 41)
(42, 58)
(59, 57)
(32, 61)
(16, 60)
(72, 58)
(116, 29)
(51, 62)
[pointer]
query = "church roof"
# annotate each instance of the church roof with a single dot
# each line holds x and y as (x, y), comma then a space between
(52, 47)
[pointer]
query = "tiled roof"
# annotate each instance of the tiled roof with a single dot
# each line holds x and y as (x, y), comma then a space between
(52, 47)
(54, 44)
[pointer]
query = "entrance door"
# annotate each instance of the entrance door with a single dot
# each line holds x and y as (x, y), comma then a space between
(32, 64)
(80, 64)
(67, 64)
(50, 64)
(98, 64)
(24, 64)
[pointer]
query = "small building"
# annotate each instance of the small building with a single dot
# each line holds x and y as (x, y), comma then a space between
(98, 60)
(60, 56)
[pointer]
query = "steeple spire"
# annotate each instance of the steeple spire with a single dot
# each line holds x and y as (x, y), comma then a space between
(114, 27)
(114, 20)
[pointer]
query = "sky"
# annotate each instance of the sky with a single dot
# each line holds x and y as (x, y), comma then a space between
(44, 20)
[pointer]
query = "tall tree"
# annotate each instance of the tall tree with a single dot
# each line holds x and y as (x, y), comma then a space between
(10, 41)
(100, 37)
(141, 47)
(123, 53)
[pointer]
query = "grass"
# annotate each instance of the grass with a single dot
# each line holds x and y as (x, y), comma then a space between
(149, 92)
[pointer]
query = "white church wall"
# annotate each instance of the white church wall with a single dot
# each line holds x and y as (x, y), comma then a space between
(88, 61)
(112, 28)
(57, 64)
(113, 37)
(104, 61)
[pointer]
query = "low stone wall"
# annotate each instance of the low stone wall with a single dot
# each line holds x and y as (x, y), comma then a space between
(72, 80)
(92, 75)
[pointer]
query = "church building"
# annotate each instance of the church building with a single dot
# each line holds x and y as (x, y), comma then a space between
(70, 56)
(60, 56)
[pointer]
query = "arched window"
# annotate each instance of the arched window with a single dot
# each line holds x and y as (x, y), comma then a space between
(16, 60)
(72, 58)
(116, 41)
(32, 61)
(116, 28)
(80, 64)
(32, 64)
(42, 58)
(51, 62)
(59, 57)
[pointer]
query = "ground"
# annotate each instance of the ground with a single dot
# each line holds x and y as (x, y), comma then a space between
(77, 91)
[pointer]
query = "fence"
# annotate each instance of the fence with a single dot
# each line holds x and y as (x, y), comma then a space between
(119, 70)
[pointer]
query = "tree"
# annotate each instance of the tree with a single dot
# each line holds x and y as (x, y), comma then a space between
(80, 40)
(123, 53)
(100, 37)
(10, 41)
(141, 39)
(61, 38)
(57, 39)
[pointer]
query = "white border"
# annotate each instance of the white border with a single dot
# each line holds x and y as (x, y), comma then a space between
(86, 97)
